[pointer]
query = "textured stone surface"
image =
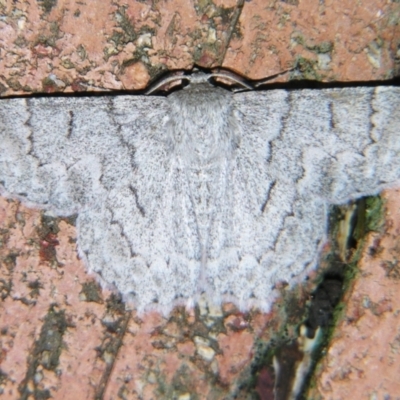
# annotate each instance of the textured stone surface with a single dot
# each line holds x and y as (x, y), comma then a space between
(67, 45)
(60, 334)
(44, 289)
(363, 357)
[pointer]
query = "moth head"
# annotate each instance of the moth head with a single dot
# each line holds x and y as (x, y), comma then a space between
(217, 78)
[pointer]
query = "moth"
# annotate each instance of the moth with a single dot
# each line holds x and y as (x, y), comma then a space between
(204, 191)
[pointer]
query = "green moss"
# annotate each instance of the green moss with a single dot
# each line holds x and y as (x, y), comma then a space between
(155, 70)
(127, 32)
(14, 84)
(225, 13)
(35, 287)
(48, 85)
(67, 64)
(20, 42)
(214, 12)
(320, 48)
(10, 261)
(374, 213)
(5, 288)
(207, 54)
(49, 39)
(182, 383)
(46, 353)
(305, 69)
(92, 292)
(3, 88)
(47, 5)
(71, 220)
(308, 68)
(369, 218)
(48, 225)
(262, 370)
(324, 47)
(209, 8)
(3, 376)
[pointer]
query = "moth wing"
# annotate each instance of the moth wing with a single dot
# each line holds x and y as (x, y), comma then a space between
(347, 140)
(144, 236)
(256, 204)
(63, 154)
(304, 150)
(104, 159)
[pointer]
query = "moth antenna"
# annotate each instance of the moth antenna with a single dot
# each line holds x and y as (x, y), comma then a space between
(233, 78)
(271, 78)
(164, 81)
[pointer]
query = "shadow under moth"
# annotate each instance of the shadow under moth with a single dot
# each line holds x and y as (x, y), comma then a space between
(204, 191)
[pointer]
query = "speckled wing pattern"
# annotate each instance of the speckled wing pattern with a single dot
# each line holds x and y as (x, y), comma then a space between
(203, 190)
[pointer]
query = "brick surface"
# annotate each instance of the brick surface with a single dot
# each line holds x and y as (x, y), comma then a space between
(66, 45)
(61, 334)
